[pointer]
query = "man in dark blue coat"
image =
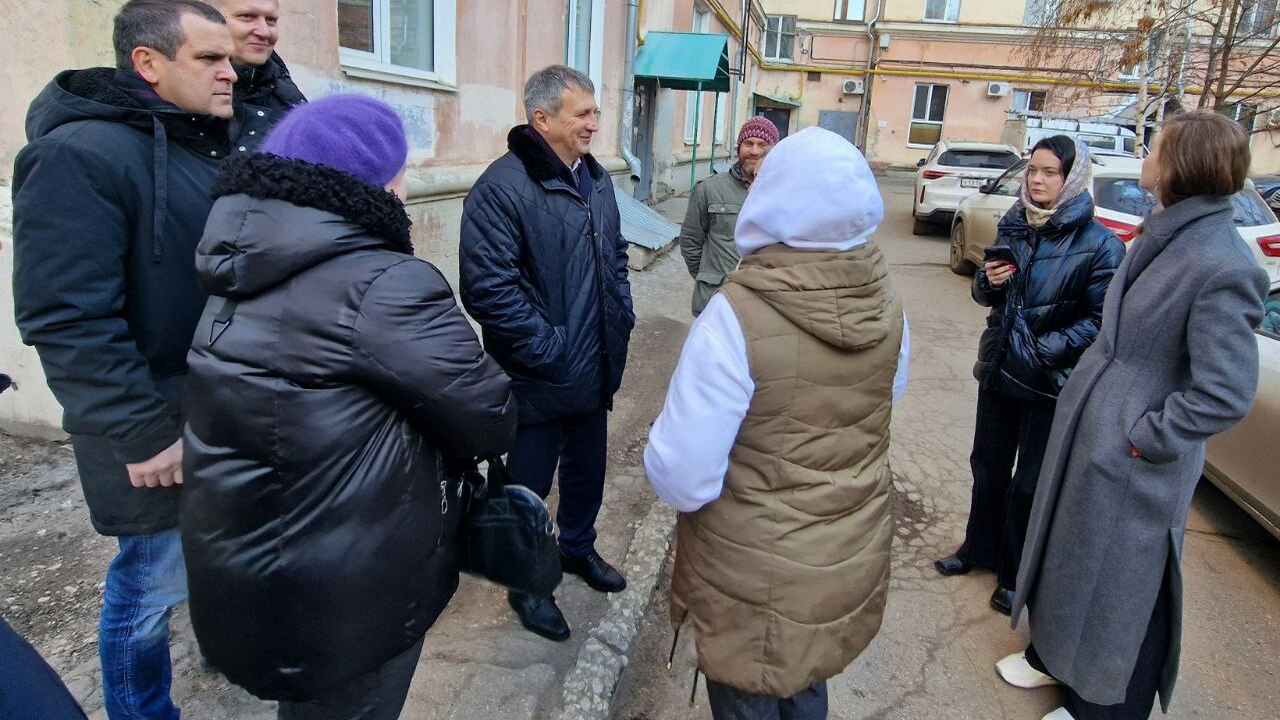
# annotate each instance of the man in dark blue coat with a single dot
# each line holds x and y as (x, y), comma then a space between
(544, 271)
(109, 200)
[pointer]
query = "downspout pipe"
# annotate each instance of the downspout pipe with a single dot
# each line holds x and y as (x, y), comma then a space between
(628, 110)
(873, 40)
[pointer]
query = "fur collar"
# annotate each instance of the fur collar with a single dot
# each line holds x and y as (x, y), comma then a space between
(270, 177)
(538, 158)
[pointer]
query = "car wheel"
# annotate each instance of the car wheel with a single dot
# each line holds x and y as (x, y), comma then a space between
(959, 265)
(920, 227)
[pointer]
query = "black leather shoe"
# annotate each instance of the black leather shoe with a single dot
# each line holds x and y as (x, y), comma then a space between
(597, 573)
(539, 615)
(1002, 600)
(952, 565)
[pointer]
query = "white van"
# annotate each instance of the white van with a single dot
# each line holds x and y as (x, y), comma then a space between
(1102, 138)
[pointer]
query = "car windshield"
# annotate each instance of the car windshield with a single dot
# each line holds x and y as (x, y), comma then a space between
(1011, 182)
(1251, 211)
(978, 159)
(1122, 195)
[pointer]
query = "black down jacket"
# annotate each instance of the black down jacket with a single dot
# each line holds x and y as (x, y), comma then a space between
(544, 272)
(1045, 316)
(261, 98)
(109, 200)
(331, 376)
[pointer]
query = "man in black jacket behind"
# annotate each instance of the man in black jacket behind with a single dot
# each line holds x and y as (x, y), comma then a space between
(543, 269)
(109, 200)
(264, 90)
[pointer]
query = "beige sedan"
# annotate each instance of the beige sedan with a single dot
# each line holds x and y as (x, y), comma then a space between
(1240, 460)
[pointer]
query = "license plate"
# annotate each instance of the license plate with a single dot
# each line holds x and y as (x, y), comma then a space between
(971, 182)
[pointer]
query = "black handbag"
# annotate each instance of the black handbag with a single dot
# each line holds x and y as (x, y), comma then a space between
(508, 537)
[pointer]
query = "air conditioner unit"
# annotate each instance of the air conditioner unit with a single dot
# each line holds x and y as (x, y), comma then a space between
(997, 89)
(854, 87)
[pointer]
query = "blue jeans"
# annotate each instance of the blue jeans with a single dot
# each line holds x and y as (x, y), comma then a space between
(729, 703)
(146, 579)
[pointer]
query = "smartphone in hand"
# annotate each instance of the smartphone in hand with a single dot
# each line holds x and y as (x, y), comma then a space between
(1000, 253)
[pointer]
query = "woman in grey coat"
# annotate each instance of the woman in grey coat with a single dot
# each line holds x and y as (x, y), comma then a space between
(1176, 362)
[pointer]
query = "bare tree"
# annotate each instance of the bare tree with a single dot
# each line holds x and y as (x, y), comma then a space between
(1223, 51)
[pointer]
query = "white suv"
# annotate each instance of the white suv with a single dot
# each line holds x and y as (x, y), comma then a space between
(954, 170)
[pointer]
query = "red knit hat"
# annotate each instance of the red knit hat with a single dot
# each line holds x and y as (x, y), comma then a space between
(759, 127)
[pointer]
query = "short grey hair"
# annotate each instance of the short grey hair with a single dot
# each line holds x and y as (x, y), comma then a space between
(544, 90)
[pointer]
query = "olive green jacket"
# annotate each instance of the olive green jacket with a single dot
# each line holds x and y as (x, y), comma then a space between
(706, 237)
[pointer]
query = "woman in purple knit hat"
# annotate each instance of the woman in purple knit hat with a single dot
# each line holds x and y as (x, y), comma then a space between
(333, 377)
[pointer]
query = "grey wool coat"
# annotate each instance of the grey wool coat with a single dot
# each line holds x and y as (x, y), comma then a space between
(1176, 361)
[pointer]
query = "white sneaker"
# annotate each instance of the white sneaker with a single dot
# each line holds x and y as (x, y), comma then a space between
(1018, 672)
(1059, 714)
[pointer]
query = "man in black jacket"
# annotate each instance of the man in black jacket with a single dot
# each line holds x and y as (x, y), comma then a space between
(109, 200)
(264, 90)
(544, 271)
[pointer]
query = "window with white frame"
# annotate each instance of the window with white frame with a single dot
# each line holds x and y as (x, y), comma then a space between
(1244, 113)
(942, 10)
(399, 38)
(722, 116)
(927, 112)
(851, 10)
(693, 104)
(780, 37)
(584, 39)
(1258, 18)
(1029, 101)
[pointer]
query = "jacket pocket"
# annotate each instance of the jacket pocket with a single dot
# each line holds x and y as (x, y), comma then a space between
(711, 277)
(724, 217)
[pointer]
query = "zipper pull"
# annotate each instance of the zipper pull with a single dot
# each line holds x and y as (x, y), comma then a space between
(444, 497)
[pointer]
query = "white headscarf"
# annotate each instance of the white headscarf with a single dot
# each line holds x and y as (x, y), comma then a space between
(814, 191)
(1076, 183)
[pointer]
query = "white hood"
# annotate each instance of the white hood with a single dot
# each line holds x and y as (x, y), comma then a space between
(814, 191)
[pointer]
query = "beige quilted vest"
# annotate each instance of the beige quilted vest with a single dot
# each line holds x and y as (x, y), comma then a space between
(783, 578)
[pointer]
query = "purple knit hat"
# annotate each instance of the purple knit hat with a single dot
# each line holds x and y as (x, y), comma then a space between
(759, 127)
(356, 134)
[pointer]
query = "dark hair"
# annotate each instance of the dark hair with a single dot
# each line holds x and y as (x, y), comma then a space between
(1062, 147)
(156, 24)
(1201, 153)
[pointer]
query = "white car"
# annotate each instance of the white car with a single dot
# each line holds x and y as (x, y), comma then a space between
(953, 171)
(1119, 203)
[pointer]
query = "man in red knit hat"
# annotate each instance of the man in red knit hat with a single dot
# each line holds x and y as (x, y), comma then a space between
(706, 237)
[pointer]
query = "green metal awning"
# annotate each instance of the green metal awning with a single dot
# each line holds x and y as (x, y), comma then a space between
(780, 101)
(685, 61)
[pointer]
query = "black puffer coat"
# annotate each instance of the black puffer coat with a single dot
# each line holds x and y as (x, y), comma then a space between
(260, 98)
(544, 272)
(316, 522)
(1045, 316)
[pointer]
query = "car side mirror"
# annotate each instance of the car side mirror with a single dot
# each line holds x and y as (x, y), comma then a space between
(920, 163)
(987, 187)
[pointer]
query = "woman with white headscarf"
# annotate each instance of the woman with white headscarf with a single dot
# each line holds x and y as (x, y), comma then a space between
(1046, 308)
(773, 442)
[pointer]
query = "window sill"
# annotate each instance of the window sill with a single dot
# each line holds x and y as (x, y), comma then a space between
(918, 146)
(389, 76)
(941, 21)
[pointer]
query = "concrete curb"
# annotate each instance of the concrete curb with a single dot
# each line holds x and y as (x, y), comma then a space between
(589, 686)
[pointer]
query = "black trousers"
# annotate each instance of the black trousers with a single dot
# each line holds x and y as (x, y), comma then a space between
(728, 703)
(1140, 695)
(380, 695)
(1000, 508)
(577, 446)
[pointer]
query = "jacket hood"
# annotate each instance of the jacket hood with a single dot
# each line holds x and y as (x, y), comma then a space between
(90, 94)
(814, 191)
(275, 217)
(841, 298)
